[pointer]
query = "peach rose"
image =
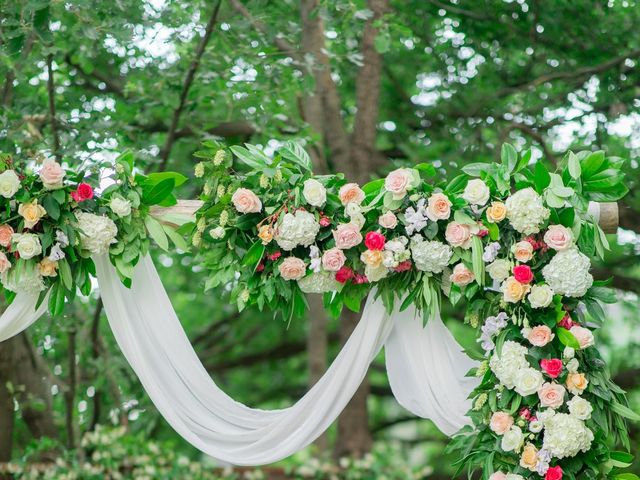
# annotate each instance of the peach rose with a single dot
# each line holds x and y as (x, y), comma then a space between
(539, 336)
(31, 212)
(347, 235)
(292, 268)
(577, 383)
(558, 237)
(398, 182)
(5, 235)
(438, 207)
(265, 233)
(351, 193)
(551, 395)
(529, 457)
(496, 212)
(458, 234)
(583, 335)
(47, 267)
(461, 275)
(5, 264)
(498, 476)
(388, 220)
(513, 290)
(523, 251)
(246, 201)
(372, 258)
(333, 260)
(500, 423)
(51, 175)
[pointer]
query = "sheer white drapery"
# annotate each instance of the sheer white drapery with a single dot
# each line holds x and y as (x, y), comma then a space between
(426, 369)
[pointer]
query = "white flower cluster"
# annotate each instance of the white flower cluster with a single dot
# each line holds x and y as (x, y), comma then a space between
(299, 228)
(430, 256)
(395, 252)
(25, 277)
(319, 282)
(416, 218)
(566, 435)
(568, 273)
(526, 211)
(96, 232)
(509, 363)
(492, 326)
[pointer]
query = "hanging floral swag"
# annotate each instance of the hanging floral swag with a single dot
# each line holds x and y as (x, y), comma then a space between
(512, 239)
(52, 220)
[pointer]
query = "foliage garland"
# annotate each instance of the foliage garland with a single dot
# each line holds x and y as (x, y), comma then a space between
(512, 238)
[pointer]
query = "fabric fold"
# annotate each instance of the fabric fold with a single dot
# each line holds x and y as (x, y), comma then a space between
(21, 314)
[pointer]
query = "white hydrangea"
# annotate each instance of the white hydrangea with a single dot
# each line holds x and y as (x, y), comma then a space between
(299, 228)
(96, 232)
(24, 277)
(526, 211)
(566, 436)
(320, 282)
(568, 273)
(509, 363)
(430, 256)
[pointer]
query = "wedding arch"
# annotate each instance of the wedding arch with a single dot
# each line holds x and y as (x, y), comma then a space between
(512, 239)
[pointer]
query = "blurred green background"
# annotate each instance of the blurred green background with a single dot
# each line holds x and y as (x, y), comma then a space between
(368, 85)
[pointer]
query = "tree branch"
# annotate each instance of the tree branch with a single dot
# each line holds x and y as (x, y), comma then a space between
(188, 81)
(51, 89)
(111, 85)
(460, 11)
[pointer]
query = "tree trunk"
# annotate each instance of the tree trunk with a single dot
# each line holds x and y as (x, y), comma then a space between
(317, 350)
(6, 403)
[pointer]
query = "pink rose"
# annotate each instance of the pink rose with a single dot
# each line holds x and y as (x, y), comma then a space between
(523, 273)
(552, 367)
(500, 423)
(374, 241)
(398, 182)
(498, 476)
(539, 336)
(551, 395)
(458, 234)
(351, 193)
(554, 473)
(333, 260)
(246, 201)
(438, 207)
(347, 235)
(583, 335)
(5, 264)
(558, 237)
(292, 268)
(51, 174)
(388, 220)
(5, 235)
(461, 275)
(344, 274)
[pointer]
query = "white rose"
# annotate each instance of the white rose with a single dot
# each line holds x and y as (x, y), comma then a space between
(27, 244)
(476, 192)
(120, 206)
(512, 440)
(528, 381)
(374, 274)
(500, 269)
(314, 192)
(535, 426)
(513, 476)
(9, 183)
(573, 365)
(568, 352)
(540, 296)
(358, 219)
(580, 408)
(352, 209)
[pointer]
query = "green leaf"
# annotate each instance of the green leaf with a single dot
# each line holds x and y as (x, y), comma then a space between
(475, 169)
(254, 254)
(567, 338)
(574, 166)
(51, 206)
(177, 239)
(158, 192)
(509, 157)
(592, 164)
(627, 476)
(155, 178)
(478, 263)
(56, 299)
(59, 195)
(248, 158)
(625, 412)
(426, 169)
(297, 154)
(157, 232)
(541, 176)
(65, 273)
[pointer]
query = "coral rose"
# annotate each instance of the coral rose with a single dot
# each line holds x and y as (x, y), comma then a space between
(552, 367)
(529, 457)
(351, 193)
(500, 423)
(245, 201)
(551, 395)
(374, 241)
(523, 251)
(558, 237)
(523, 273)
(438, 207)
(496, 212)
(540, 335)
(31, 212)
(5, 235)
(513, 290)
(292, 268)
(48, 267)
(265, 233)
(333, 259)
(461, 275)
(5, 264)
(458, 234)
(347, 235)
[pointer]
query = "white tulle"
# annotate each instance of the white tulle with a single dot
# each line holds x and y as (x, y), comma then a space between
(426, 369)
(21, 314)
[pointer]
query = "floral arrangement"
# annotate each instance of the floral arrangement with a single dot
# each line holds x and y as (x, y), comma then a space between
(53, 219)
(512, 238)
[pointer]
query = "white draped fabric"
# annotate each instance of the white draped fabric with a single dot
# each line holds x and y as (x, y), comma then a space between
(426, 369)
(21, 314)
